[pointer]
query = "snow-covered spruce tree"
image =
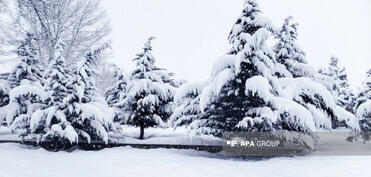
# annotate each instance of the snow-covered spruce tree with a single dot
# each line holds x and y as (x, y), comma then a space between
(340, 84)
(78, 112)
(288, 51)
(117, 93)
(57, 76)
(363, 106)
(149, 97)
(243, 94)
(27, 93)
(187, 98)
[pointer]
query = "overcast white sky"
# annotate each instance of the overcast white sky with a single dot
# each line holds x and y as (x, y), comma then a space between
(191, 34)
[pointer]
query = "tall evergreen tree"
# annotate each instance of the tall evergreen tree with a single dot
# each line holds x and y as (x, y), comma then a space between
(288, 51)
(243, 94)
(149, 96)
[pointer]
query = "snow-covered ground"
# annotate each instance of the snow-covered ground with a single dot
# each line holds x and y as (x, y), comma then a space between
(26, 161)
(22, 161)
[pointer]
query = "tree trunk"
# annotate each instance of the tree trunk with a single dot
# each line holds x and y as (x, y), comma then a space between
(141, 132)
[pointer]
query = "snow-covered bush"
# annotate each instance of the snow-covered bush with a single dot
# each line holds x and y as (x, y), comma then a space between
(76, 111)
(27, 93)
(148, 101)
(319, 101)
(339, 83)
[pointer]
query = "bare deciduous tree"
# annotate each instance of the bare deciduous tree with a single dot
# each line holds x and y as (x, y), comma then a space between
(80, 24)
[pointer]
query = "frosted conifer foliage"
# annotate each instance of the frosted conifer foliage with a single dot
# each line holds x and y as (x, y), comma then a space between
(288, 51)
(115, 94)
(187, 98)
(340, 85)
(249, 22)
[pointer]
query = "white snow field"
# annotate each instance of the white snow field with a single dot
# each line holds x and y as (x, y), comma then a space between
(22, 161)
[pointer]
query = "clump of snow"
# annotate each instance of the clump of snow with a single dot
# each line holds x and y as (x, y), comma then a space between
(187, 89)
(222, 63)
(346, 117)
(27, 89)
(297, 112)
(258, 85)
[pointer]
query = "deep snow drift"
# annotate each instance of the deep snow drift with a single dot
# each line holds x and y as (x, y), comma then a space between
(17, 160)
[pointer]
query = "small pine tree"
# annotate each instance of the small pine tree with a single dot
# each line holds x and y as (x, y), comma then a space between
(288, 52)
(149, 96)
(57, 76)
(340, 84)
(117, 93)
